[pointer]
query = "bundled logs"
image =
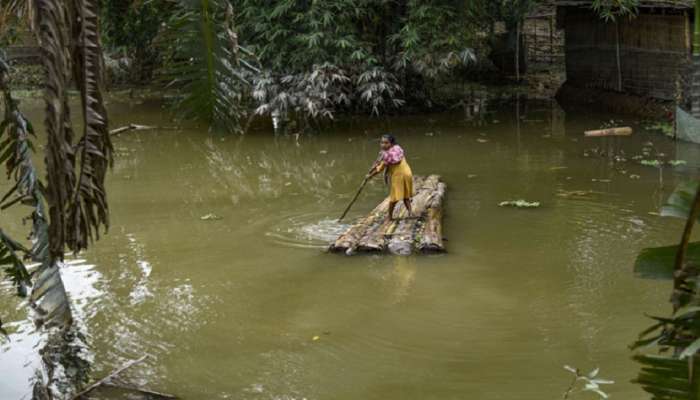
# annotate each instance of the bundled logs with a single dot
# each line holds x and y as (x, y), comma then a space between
(422, 231)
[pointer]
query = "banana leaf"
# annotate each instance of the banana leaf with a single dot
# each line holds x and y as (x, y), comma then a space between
(680, 201)
(657, 262)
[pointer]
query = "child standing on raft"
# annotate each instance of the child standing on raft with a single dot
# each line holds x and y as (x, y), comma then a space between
(400, 177)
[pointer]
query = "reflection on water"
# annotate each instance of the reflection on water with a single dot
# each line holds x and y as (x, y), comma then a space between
(249, 306)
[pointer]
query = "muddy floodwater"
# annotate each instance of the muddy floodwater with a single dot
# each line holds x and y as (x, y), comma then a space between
(215, 263)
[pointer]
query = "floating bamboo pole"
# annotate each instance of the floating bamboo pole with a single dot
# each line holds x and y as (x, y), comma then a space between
(622, 131)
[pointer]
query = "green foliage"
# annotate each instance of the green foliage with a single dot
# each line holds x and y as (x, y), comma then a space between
(14, 15)
(657, 262)
(385, 50)
(680, 201)
(672, 373)
(205, 64)
(488, 12)
(291, 36)
(665, 127)
(651, 163)
(611, 10)
(129, 29)
(429, 51)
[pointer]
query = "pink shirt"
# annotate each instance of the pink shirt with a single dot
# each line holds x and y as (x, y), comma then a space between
(393, 156)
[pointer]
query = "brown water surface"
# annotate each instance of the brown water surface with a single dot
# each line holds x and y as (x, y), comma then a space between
(229, 308)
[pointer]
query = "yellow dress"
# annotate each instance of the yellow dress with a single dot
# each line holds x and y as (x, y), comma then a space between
(400, 180)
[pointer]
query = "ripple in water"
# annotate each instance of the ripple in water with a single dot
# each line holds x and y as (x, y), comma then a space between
(307, 231)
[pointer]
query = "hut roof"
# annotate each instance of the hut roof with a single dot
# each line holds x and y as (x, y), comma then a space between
(678, 4)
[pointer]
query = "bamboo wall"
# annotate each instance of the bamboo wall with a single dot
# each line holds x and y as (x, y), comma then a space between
(654, 52)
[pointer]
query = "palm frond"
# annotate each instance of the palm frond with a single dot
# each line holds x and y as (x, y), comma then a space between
(205, 63)
(88, 208)
(51, 21)
(15, 132)
(13, 263)
(49, 296)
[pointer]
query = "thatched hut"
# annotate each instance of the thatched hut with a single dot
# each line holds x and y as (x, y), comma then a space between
(648, 55)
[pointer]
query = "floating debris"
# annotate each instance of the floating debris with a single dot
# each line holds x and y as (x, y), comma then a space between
(210, 217)
(482, 140)
(634, 176)
(676, 163)
(519, 203)
(567, 194)
(651, 163)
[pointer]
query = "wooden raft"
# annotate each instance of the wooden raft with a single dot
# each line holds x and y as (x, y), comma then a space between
(422, 233)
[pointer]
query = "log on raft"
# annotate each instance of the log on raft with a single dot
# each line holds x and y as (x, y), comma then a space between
(420, 232)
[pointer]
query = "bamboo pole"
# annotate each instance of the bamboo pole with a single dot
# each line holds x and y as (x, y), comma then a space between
(362, 186)
(696, 31)
(620, 131)
(517, 51)
(617, 55)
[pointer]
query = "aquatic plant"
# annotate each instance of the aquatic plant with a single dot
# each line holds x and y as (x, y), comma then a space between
(677, 163)
(651, 163)
(665, 127)
(519, 203)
